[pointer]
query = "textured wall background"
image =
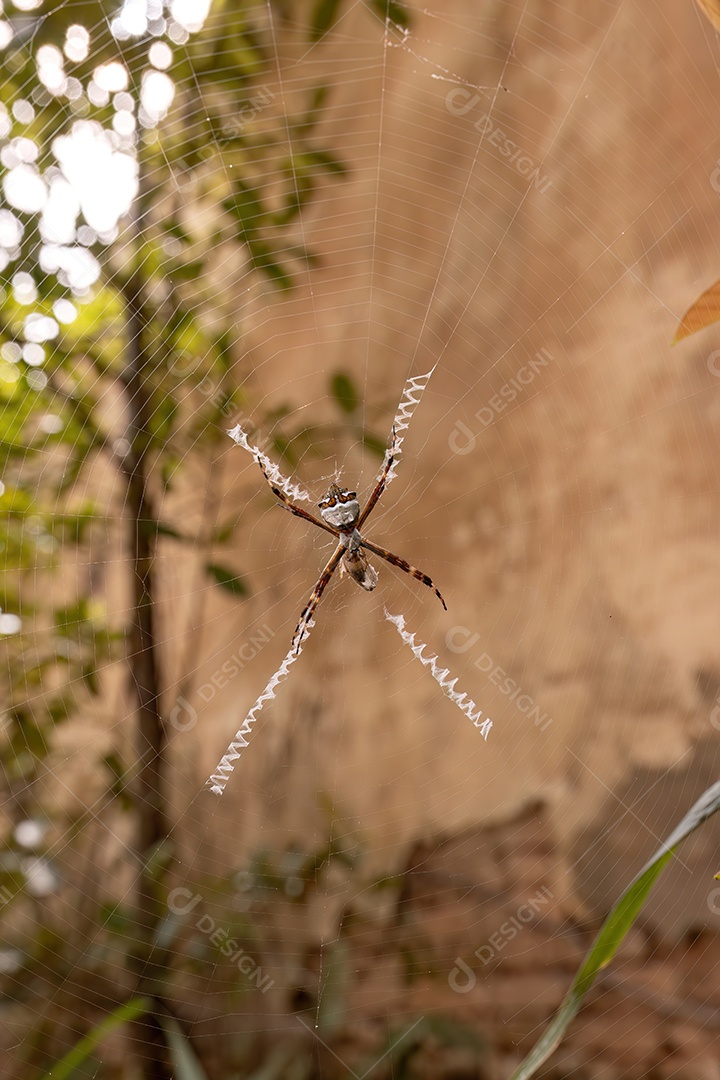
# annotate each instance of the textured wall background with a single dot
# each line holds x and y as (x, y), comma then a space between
(576, 533)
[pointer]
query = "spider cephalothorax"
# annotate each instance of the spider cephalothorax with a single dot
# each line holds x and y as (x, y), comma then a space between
(340, 508)
(341, 516)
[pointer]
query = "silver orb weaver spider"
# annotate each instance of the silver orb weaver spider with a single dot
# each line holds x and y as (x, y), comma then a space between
(342, 518)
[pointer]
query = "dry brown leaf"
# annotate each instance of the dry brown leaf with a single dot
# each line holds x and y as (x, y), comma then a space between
(704, 311)
(711, 8)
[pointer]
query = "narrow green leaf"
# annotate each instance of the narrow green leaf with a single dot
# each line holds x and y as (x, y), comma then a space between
(224, 532)
(224, 348)
(324, 160)
(344, 391)
(304, 255)
(186, 271)
(162, 529)
(246, 207)
(614, 930)
(394, 12)
(334, 989)
(374, 444)
(227, 579)
(82, 1050)
(323, 17)
(184, 1058)
(317, 102)
(303, 185)
(263, 259)
(173, 228)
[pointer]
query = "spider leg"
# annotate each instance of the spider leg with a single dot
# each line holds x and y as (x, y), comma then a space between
(287, 505)
(395, 560)
(382, 480)
(309, 610)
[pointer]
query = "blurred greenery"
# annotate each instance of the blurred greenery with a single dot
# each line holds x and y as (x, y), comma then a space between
(121, 358)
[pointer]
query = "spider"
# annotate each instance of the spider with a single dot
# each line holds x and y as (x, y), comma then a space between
(343, 519)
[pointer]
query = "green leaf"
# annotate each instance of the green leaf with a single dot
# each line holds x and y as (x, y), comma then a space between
(394, 12)
(224, 532)
(161, 529)
(184, 1058)
(246, 207)
(227, 579)
(173, 228)
(344, 391)
(224, 347)
(324, 160)
(304, 255)
(263, 259)
(82, 1050)
(303, 186)
(70, 528)
(314, 112)
(189, 271)
(614, 930)
(374, 444)
(323, 17)
(332, 1008)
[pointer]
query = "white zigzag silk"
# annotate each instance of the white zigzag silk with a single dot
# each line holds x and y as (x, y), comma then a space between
(220, 777)
(292, 491)
(463, 702)
(409, 401)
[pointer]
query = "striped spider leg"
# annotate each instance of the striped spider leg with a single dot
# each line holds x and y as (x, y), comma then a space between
(402, 564)
(382, 481)
(298, 511)
(394, 560)
(309, 610)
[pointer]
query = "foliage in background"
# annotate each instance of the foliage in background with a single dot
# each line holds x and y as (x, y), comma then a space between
(66, 324)
(120, 358)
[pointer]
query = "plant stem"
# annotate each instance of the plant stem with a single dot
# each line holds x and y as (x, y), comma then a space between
(151, 829)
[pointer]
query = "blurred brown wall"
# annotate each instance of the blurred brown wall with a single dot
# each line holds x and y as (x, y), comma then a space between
(576, 533)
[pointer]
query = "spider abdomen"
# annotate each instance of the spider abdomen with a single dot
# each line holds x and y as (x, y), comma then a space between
(356, 565)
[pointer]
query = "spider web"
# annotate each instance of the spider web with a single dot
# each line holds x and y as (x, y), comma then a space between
(482, 233)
